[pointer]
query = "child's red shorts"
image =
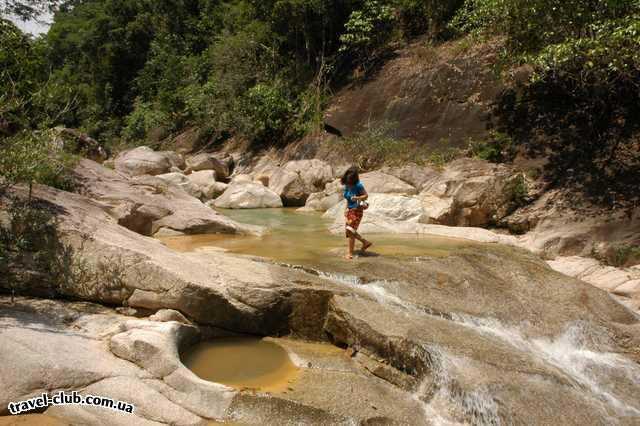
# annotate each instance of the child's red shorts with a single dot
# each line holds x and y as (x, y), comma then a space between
(352, 220)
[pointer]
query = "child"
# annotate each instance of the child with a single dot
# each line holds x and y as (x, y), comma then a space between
(355, 194)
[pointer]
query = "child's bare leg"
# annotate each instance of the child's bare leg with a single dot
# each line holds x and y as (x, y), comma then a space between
(365, 244)
(352, 244)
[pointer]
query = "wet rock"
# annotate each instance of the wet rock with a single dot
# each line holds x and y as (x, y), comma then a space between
(143, 161)
(247, 196)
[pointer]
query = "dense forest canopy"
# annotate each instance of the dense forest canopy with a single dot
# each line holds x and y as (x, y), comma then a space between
(132, 70)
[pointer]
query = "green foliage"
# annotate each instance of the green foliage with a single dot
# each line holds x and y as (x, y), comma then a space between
(498, 148)
(34, 158)
(21, 69)
(417, 17)
(33, 259)
(623, 255)
(144, 118)
(580, 110)
(367, 30)
(533, 24)
(265, 114)
(517, 192)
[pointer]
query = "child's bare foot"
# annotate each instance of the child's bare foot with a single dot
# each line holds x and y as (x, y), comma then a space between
(366, 245)
(348, 256)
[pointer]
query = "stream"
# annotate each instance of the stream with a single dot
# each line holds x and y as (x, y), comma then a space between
(468, 317)
(303, 238)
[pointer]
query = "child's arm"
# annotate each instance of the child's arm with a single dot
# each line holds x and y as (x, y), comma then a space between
(363, 196)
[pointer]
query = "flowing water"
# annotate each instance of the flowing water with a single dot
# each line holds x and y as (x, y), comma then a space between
(579, 353)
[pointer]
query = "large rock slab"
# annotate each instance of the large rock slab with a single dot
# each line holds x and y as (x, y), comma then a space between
(296, 180)
(206, 161)
(378, 182)
(324, 200)
(464, 333)
(137, 361)
(205, 181)
(472, 192)
(145, 161)
(622, 282)
(400, 214)
(557, 225)
(150, 206)
(122, 267)
(182, 182)
(50, 346)
(248, 195)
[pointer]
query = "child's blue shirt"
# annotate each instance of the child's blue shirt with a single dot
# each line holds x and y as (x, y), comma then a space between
(351, 191)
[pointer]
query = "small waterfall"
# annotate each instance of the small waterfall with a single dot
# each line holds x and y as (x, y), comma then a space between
(377, 290)
(451, 405)
(590, 368)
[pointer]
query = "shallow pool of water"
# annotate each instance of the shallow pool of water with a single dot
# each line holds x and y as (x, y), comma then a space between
(303, 238)
(242, 363)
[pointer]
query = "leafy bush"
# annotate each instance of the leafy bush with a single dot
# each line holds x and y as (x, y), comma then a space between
(623, 255)
(498, 148)
(417, 17)
(145, 117)
(266, 114)
(366, 31)
(580, 110)
(32, 256)
(533, 24)
(31, 157)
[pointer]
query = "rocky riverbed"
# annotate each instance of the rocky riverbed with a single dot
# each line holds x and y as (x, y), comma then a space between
(484, 334)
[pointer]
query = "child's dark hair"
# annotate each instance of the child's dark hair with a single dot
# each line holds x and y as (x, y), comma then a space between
(350, 177)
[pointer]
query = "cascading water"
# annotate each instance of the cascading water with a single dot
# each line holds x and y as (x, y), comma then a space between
(589, 366)
(450, 405)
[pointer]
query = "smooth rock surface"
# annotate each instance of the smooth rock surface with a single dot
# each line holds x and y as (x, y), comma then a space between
(205, 181)
(148, 205)
(378, 182)
(622, 282)
(182, 182)
(296, 180)
(206, 161)
(143, 161)
(248, 195)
